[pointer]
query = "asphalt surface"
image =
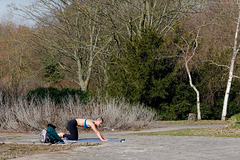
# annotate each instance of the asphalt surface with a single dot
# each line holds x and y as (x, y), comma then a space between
(140, 147)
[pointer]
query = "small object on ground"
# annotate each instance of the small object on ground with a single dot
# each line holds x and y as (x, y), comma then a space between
(122, 140)
(192, 117)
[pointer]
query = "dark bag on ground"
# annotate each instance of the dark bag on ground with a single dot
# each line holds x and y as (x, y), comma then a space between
(50, 135)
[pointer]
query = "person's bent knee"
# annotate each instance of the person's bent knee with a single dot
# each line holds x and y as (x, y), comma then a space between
(70, 137)
(74, 137)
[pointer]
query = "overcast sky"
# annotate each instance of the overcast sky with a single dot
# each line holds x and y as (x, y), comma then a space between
(5, 15)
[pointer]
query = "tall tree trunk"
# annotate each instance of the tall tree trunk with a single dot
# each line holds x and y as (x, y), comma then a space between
(229, 83)
(190, 77)
(187, 59)
(196, 90)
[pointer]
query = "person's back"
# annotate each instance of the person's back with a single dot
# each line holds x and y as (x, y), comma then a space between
(84, 122)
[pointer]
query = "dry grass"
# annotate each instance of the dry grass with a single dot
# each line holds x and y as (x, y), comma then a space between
(24, 115)
(10, 151)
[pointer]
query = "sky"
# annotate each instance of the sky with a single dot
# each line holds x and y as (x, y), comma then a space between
(5, 14)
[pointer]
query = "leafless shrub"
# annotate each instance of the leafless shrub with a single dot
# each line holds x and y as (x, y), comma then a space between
(22, 115)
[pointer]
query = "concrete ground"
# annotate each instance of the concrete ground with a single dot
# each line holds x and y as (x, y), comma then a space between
(141, 147)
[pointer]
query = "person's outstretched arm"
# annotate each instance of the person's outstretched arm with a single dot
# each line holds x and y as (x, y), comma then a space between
(98, 133)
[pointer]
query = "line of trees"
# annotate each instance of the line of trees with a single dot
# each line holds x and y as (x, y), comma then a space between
(171, 55)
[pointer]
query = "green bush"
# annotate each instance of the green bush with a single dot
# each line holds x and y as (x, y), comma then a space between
(58, 96)
(234, 121)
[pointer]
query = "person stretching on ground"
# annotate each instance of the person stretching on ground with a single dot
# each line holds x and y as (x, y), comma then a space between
(87, 123)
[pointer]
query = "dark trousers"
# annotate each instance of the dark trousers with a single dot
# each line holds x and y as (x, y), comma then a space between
(72, 128)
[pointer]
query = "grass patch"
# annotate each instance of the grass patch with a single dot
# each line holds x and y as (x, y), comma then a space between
(208, 132)
(9, 151)
(136, 130)
(194, 123)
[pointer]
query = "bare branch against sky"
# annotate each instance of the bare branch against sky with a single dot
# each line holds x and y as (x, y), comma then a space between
(6, 15)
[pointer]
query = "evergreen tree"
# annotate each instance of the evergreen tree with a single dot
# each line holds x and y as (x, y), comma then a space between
(52, 72)
(144, 74)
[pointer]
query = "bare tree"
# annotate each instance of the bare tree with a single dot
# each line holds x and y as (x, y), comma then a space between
(220, 26)
(72, 33)
(188, 53)
(134, 15)
(231, 69)
(18, 63)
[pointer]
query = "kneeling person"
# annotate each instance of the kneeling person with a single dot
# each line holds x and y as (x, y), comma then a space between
(87, 123)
